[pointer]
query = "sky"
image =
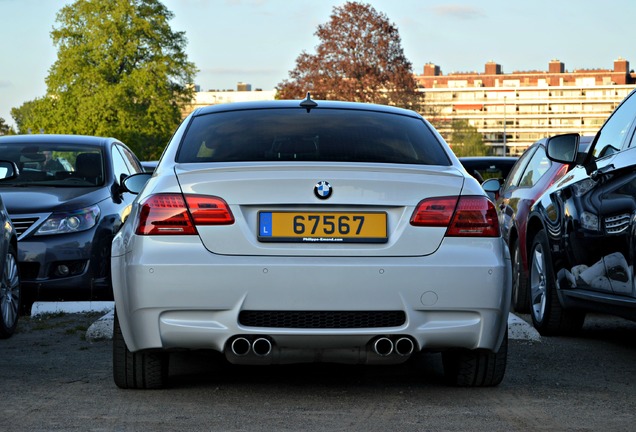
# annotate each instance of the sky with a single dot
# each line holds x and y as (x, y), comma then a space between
(258, 41)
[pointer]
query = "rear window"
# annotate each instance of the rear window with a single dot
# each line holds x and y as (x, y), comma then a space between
(330, 135)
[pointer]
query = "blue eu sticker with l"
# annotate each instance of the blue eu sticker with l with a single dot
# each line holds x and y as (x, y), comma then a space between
(265, 224)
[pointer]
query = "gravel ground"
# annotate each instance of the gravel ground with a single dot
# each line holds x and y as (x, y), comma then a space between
(52, 378)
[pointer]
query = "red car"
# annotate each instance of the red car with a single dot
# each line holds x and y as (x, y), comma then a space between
(531, 175)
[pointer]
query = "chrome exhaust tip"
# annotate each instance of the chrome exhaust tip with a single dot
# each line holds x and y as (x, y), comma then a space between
(240, 346)
(262, 347)
(383, 346)
(404, 346)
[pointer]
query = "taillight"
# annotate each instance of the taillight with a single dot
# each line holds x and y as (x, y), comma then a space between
(209, 210)
(466, 216)
(169, 214)
(434, 212)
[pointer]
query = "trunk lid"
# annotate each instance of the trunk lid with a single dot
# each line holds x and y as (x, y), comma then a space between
(360, 194)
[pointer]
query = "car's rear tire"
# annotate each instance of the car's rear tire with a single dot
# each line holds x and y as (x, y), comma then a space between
(137, 370)
(520, 294)
(476, 368)
(548, 315)
(9, 294)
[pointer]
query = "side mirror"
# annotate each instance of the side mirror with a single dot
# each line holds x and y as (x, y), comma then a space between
(136, 182)
(563, 148)
(492, 186)
(8, 170)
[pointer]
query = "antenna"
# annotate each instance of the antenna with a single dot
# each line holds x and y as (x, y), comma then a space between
(308, 103)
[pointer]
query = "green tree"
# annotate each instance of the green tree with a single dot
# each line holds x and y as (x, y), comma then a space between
(5, 129)
(465, 140)
(120, 71)
(35, 116)
(359, 58)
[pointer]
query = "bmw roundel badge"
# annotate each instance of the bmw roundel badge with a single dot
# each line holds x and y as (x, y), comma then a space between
(323, 190)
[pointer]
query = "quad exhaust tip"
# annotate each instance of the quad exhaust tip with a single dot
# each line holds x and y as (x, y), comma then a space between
(383, 346)
(242, 346)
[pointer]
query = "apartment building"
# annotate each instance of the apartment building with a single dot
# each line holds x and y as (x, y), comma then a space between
(511, 111)
(243, 93)
(514, 110)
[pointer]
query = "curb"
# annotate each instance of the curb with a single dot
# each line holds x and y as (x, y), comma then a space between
(43, 308)
(102, 328)
(520, 329)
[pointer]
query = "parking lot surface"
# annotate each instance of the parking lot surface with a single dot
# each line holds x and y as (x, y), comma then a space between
(53, 378)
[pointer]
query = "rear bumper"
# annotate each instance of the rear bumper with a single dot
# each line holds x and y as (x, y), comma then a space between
(172, 293)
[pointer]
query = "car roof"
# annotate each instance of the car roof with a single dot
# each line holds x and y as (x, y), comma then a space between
(302, 104)
(56, 138)
(488, 159)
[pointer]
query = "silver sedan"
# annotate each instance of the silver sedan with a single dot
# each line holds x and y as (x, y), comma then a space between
(310, 231)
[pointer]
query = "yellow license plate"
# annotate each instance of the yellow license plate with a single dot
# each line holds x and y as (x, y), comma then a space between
(322, 227)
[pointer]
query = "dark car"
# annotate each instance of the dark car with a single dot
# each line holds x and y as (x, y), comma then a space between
(9, 274)
(531, 175)
(487, 167)
(66, 205)
(582, 230)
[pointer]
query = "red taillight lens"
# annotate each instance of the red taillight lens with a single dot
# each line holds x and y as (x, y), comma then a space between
(207, 210)
(467, 216)
(168, 214)
(165, 214)
(434, 212)
(475, 217)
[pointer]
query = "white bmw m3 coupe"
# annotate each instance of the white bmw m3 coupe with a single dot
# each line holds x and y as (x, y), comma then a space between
(310, 231)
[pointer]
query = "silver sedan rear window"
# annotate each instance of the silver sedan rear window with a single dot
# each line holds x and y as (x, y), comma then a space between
(329, 135)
